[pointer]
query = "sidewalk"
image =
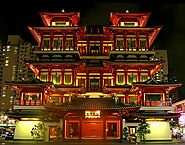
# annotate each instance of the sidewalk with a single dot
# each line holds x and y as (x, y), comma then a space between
(89, 142)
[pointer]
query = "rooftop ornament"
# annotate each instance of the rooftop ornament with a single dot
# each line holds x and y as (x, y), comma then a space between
(127, 11)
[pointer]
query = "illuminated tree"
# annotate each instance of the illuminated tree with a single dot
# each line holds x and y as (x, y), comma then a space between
(39, 131)
(125, 134)
(143, 130)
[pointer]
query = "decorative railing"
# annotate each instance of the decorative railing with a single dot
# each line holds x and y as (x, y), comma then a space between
(28, 102)
(157, 103)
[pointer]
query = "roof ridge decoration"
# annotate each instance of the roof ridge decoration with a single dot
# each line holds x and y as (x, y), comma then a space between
(151, 81)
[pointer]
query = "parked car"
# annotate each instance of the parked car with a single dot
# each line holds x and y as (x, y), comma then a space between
(9, 136)
(2, 134)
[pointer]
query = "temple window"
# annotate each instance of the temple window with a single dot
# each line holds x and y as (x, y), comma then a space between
(107, 79)
(56, 77)
(81, 80)
(54, 99)
(131, 44)
(142, 44)
(143, 77)
(106, 48)
(68, 77)
(120, 80)
(129, 24)
(44, 76)
(153, 99)
(120, 77)
(60, 23)
(69, 43)
(82, 47)
(119, 44)
(57, 43)
(94, 48)
(46, 43)
(132, 77)
(133, 99)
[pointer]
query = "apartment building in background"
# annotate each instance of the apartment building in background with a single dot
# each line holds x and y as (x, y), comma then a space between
(13, 68)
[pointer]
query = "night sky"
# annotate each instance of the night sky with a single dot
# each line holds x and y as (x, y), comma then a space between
(17, 15)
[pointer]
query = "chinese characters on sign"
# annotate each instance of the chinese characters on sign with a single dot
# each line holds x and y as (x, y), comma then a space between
(92, 114)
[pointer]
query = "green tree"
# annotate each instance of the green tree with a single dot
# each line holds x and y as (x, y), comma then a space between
(38, 132)
(125, 134)
(58, 133)
(142, 130)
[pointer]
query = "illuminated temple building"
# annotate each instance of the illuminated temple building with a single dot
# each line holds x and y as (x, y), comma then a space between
(93, 81)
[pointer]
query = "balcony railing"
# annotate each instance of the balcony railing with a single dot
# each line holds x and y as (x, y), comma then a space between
(28, 102)
(157, 103)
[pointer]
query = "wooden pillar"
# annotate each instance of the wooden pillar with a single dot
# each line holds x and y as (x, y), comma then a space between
(137, 41)
(104, 125)
(63, 128)
(41, 42)
(125, 41)
(121, 127)
(114, 40)
(73, 77)
(125, 74)
(147, 42)
(51, 41)
(139, 75)
(64, 42)
(49, 75)
(126, 98)
(87, 86)
(149, 72)
(88, 49)
(74, 42)
(101, 79)
(114, 74)
(62, 71)
(80, 135)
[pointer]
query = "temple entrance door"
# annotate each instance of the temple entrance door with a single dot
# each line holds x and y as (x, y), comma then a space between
(92, 130)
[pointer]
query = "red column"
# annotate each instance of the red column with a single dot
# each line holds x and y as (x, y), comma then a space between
(62, 73)
(126, 82)
(125, 41)
(49, 74)
(137, 41)
(51, 41)
(41, 42)
(87, 86)
(101, 80)
(147, 42)
(139, 73)
(64, 42)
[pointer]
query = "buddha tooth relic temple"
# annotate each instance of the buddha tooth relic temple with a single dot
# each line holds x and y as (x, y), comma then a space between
(94, 81)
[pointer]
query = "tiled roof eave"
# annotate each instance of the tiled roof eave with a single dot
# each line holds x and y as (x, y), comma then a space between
(92, 108)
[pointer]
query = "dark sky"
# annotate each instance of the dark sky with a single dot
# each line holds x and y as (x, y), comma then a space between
(16, 15)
